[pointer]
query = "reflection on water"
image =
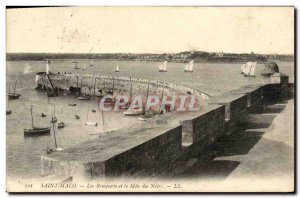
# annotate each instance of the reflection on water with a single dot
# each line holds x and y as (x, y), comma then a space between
(23, 154)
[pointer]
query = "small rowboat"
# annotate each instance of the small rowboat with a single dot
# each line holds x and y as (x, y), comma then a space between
(91, 123)
(61, 125)
(35, 131)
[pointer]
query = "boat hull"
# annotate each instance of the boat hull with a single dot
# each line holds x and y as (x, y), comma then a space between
(84, 98)
(13, 96)
(248, 75)
(144, 119)
(36, 132)
(91, 123)
(132, 113)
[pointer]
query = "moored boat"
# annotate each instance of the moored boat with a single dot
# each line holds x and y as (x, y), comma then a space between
(91, 123)
(14, 95)
(132, 112)
(84, 97)
(61, 125)
(146, 116)
(36, 131)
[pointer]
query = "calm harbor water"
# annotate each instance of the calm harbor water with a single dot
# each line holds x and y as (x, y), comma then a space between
(23, 154)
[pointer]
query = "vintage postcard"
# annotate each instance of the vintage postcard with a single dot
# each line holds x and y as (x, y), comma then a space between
(150, 99)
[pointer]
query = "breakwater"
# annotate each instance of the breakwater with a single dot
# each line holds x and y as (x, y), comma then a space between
(165, 142)
(91, 84)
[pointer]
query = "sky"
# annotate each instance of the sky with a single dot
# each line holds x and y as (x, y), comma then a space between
(265, 30)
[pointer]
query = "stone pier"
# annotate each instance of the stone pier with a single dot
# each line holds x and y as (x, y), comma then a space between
(164, 142)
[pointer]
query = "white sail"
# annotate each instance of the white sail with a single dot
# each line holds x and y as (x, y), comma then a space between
(186, 67)
(117, 68)
(27, 69)
(247, 68)
(191, 66)
(252, 70)
(160, 67)
(91, 62)
(165, 66)
(243, 67)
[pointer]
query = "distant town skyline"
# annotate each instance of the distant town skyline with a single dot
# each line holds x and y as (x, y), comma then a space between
(262, 30)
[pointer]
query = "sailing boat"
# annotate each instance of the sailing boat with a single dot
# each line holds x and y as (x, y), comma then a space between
(91, 64)
(126, 106)
(87, 120)
(145, 115)
(83, 67)
(163, 67)
(243, 68)
(117, 69)
(55, 141)
(27, 69)
(35, 131)
(76, 66)
(14, 95)
(250, 70)
(189, 67)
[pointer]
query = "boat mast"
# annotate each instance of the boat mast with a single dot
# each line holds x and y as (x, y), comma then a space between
(77, 81)
(130, 88)
(9, 87)
(113, 87)
(16, 83)
(53, 125)
(147, 90)
(102, 119)
(31, 117)
(7, 103)
(81, 85)
(95, 86)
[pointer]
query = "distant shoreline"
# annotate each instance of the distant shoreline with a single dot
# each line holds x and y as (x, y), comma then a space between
(183, 57)
(172, 61)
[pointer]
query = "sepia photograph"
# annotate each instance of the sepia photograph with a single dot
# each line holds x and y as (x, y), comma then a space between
(168, 99)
